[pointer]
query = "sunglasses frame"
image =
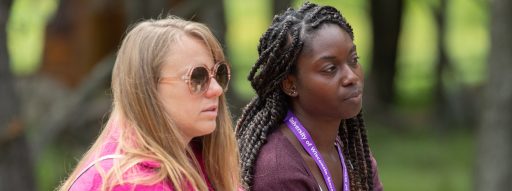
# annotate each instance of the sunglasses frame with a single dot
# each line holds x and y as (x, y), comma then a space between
(211, 74)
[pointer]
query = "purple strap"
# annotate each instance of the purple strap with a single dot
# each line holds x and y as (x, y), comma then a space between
(308, 144)
(346, 184)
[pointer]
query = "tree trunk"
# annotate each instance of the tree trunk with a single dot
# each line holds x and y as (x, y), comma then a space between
(442, 66)
(15, 161)
(386, 21)
(494, 167)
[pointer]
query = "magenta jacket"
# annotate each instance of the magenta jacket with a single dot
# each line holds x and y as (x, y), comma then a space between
(90, 178)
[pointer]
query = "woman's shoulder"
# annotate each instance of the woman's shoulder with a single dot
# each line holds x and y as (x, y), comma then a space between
(276, 150)
(91, 178)
(279, 166)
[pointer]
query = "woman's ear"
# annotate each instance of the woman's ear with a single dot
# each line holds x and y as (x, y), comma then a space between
(288, 86)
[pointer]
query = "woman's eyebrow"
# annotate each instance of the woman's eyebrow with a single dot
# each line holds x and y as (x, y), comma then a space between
(333, 57)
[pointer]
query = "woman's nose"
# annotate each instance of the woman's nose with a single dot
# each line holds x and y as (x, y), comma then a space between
(214, 89)
(350, 76)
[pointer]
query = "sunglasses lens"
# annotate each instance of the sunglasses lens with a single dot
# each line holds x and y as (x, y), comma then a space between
(199, 79)
(222, 76)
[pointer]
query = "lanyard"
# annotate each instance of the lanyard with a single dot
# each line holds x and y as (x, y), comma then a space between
(307, 142)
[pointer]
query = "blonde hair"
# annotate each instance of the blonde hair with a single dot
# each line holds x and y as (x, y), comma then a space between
(147, 132)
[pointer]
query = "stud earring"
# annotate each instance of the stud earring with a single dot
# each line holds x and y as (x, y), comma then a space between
(293, 92)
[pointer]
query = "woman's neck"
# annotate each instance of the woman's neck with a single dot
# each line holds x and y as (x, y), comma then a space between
(323, 130)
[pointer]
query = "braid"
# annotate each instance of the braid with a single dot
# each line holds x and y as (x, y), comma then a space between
(261, 122)
(364, 139)
(343, 134)
(361, 159)
(355, 179)
(352, 133)
(278, 49)
(266, 112)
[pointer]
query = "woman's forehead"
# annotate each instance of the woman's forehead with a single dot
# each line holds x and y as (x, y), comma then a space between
(187, 52)
(326, 38)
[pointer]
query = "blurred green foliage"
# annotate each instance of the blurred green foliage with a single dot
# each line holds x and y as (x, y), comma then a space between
(25, 32)
(423, 160)
(467, 44)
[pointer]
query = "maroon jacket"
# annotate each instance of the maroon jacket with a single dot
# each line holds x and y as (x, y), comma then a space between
(279, 166)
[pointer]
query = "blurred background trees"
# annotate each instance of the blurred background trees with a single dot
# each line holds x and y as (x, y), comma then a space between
(437, 77)
(16, 172)
(386, 21)
(494, 169)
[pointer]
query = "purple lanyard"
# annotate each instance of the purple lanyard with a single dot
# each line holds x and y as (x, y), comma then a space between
(307, 142)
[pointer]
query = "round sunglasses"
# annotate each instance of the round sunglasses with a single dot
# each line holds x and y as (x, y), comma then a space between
(199, 77)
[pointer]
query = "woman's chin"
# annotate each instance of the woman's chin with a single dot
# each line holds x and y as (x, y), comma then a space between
(352, 113)
(207, 129)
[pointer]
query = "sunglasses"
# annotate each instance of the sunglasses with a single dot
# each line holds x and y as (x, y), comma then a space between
(198, 78)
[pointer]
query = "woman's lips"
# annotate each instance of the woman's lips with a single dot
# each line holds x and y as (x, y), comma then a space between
(211, 111)
(354, 95)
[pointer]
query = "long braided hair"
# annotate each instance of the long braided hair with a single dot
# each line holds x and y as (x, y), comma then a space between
(278, 50)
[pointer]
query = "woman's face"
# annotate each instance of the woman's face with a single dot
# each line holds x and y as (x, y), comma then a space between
(329, 80)
(194, 114)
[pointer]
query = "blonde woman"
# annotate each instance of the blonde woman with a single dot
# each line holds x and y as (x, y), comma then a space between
(170, 128)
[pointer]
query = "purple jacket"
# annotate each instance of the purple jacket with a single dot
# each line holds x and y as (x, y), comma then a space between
(279, 166)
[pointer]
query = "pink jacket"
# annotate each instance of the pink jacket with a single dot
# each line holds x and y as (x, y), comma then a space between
(90, 178)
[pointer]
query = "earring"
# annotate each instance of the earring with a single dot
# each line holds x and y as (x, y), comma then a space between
(293, 92)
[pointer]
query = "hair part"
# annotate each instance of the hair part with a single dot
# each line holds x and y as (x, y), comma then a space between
(278, 49)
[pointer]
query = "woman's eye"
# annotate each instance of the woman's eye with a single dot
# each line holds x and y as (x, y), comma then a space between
(355, 60)
(330, 69)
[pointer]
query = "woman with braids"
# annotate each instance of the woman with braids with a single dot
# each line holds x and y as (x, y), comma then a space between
(169, 116)
(304, 130)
